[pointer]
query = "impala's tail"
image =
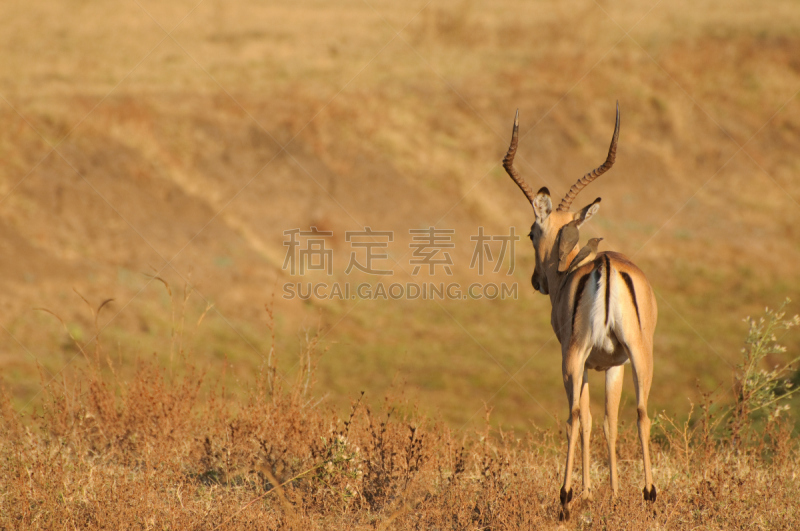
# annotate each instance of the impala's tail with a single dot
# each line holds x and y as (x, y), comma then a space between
(615, 307)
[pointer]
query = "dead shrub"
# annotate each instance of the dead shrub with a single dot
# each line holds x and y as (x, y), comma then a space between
(165, 451)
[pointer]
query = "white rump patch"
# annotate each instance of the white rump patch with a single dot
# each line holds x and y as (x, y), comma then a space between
(601, 330)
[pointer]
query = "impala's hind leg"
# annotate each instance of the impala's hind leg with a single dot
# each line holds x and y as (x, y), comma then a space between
(642, 361)
(614, 377)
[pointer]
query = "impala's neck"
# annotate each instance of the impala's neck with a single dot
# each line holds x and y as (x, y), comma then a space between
(549, 256)
(554, 278)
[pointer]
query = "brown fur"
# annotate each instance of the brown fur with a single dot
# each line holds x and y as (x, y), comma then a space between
(585, 342)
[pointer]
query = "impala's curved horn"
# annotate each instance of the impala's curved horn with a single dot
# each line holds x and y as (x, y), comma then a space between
(508, 162)
(565, 203)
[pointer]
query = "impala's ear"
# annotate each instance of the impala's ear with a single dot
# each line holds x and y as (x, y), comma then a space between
(542, 206)
(587, 212)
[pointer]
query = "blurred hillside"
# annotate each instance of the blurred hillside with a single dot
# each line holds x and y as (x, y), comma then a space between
(181, 140)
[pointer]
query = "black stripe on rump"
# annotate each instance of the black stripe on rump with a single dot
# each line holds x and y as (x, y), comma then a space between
(629, 282)
(608, 283)
(578, 293)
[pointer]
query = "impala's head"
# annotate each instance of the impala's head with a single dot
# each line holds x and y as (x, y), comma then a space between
(545, 234)
(548, 223)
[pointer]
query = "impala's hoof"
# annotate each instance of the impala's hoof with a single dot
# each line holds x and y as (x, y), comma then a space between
(587, 495)
(649, 495)
(565, 497)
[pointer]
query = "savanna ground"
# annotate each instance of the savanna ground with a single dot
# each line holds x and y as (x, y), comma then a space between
(153, 153)
(150, 452)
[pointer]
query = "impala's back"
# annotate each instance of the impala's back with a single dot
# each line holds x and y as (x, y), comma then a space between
(604, 306)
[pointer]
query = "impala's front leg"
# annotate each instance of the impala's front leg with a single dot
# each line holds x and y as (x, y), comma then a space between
(573, 382)
(586, 432)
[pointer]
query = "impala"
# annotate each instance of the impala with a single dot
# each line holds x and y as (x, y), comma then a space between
(603, 314)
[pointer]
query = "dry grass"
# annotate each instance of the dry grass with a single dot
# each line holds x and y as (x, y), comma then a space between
(150, 452)
(156, 140)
